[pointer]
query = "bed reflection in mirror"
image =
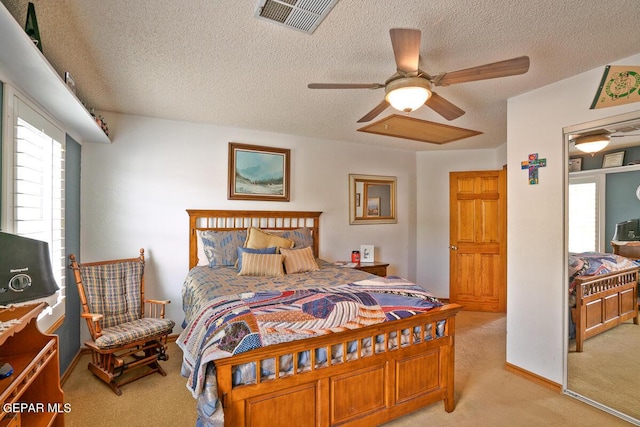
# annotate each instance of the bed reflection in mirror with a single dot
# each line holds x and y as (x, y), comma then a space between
(601, 365)
(372, 199)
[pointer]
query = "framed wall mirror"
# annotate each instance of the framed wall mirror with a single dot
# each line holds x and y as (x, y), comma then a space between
(372, 199)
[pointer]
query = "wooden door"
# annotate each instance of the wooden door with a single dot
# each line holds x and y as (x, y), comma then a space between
(478, 211)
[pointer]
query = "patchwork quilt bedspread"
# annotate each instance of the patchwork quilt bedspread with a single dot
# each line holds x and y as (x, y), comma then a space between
(594, 264)
(226, 314)
(202, 284)
(236, 323)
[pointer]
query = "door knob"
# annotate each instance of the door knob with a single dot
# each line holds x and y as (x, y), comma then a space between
(454, 247)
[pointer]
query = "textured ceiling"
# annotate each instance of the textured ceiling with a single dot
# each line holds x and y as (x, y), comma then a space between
(214, 62)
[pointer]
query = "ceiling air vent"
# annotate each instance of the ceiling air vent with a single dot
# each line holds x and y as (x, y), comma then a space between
(301, 15)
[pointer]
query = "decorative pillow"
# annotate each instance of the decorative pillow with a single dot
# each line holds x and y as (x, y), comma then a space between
(258, 239)
(299, 260)
(261, 265)
(302, 237)
(221, 247)
(202, 257)
(271, 250)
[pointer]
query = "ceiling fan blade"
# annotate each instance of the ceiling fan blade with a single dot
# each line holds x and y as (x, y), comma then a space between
(406, 48)
(373, 113)
(510, 67)
(345, 85)
(443, 107)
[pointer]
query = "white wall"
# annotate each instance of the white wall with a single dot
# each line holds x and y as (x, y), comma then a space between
(432, 172)
(536, 229)
(135, 192)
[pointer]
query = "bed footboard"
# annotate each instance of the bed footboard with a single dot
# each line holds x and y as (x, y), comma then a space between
(603, 302)
(410, 366)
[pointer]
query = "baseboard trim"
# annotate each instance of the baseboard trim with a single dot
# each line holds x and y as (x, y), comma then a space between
(533, 377)
(72, 365)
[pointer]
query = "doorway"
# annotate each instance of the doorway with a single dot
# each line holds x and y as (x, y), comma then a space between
(478, 225)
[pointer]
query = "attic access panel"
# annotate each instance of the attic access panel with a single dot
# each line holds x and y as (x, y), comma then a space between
(302, 15)
(418, 130)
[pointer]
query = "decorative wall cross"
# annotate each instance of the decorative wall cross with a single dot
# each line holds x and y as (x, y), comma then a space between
(533, 164)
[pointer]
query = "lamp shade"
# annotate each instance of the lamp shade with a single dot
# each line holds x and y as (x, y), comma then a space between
(408, 94)
(591, 143)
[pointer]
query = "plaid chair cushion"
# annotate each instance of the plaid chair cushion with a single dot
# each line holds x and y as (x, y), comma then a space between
(113, 290)
(125, 333)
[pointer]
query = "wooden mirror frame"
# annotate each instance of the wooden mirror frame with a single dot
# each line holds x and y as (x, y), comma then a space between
(358, 199)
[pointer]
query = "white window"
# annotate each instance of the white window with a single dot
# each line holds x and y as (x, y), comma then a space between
(586, 213)
(34, 189)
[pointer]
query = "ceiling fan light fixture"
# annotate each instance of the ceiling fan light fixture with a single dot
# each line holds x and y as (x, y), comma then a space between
(408, 94)
(591, 143)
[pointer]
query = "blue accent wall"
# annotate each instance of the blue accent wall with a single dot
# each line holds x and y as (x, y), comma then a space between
(621, 201)
(69, 331)
(631, 154)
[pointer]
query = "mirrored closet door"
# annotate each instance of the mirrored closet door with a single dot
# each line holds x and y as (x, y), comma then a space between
(603, 191)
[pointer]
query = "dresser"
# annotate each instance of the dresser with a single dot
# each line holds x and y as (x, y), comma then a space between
(377, 268)
(31, 396)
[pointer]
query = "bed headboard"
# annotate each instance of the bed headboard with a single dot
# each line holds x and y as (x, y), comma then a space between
(225, 220)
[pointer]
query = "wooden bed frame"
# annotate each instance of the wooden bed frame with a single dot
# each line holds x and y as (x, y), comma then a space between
(364, 390)
(603, 302)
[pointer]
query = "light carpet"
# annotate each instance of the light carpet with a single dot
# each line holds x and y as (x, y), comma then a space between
(607, 369)
(486, 394)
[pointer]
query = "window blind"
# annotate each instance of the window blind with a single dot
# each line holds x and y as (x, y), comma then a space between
(585, 201)
(38, 186)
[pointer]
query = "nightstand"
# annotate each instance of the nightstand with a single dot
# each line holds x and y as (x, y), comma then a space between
(377, 268)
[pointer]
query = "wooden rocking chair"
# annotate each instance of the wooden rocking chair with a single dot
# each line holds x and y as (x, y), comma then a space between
(113, 304)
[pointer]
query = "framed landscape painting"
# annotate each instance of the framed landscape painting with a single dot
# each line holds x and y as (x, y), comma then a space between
(258, 173)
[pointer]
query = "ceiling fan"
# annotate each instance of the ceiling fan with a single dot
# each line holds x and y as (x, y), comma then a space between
(410, 87)
(598, 139)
